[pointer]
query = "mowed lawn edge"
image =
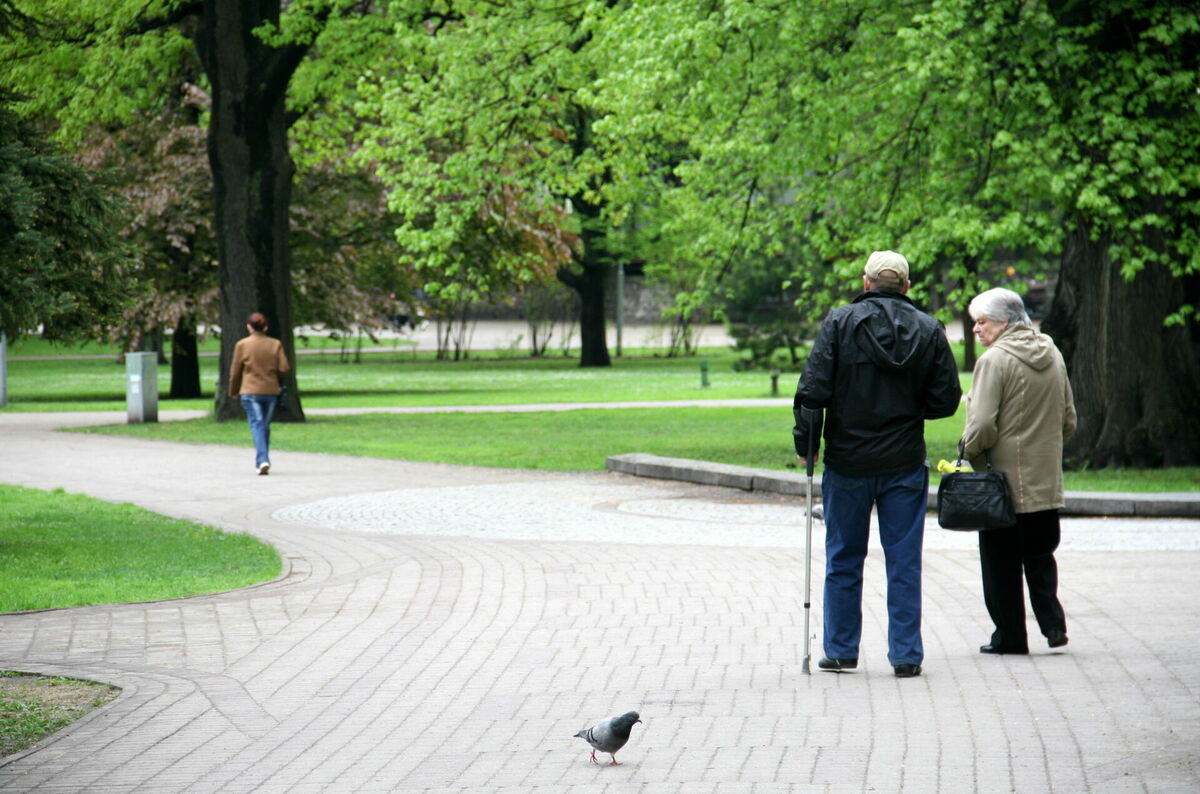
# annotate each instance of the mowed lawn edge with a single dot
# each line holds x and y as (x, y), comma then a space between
(581, 440)
(63, 550)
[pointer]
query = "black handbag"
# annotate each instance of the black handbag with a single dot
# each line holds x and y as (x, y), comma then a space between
(281, 404)
(975, 500)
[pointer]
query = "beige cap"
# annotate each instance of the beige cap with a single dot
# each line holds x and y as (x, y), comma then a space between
(881, 261)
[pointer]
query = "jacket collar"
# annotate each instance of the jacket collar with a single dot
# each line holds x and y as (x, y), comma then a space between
(879, 293)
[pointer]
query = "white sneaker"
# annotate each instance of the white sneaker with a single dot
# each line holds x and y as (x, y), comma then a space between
(264, 468)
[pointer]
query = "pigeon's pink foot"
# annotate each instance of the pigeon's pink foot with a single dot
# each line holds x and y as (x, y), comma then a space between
(594, 761)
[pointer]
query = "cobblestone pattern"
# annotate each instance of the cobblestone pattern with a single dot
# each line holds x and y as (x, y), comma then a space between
(463, 657)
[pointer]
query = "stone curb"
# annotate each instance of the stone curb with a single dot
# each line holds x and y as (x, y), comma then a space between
(1079, 503)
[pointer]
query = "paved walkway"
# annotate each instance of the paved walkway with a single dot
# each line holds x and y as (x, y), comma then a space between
(444, 629)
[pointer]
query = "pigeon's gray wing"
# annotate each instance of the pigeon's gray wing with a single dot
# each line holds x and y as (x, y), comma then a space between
(603, 738)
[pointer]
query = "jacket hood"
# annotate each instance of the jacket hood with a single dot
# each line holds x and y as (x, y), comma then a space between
(891, 336)
(1028, 346)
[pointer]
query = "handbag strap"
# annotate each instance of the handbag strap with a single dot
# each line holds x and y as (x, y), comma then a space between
(987, 455)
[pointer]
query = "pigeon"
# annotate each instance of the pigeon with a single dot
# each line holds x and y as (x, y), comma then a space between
(609, 735)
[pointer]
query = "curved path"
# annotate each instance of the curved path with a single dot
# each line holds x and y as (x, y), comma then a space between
(446, 628)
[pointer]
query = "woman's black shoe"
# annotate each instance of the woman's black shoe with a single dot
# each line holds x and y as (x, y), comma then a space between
(997, 649)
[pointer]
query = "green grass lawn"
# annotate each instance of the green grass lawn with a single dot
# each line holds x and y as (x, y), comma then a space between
(581, 440)
(385, 379)
(573, 441)
(59, 550)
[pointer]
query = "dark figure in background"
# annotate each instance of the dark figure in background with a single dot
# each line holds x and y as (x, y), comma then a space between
(256, 375)
(879, 368)
(1020, 410)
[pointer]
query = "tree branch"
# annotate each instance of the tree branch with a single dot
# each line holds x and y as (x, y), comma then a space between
(12, 20)
(281, 64)
(145, 25)
(741, 227)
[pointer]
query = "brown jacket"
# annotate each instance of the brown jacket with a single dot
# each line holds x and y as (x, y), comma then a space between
(258, 364)
(1021, 410)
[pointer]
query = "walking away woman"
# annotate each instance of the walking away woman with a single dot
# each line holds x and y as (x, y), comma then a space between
(256, 375)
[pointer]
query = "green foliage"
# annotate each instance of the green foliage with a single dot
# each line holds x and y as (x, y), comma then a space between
(953, 131)
(158, 161)
(348, 273)
(63, 265)
(87, 62)
(479, 144)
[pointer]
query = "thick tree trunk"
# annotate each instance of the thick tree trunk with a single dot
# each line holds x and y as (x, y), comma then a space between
(152, 342)
(593, 339)
(1135, 381)
(969, 356)
(252, 177)
(589, 285)
(185, 361)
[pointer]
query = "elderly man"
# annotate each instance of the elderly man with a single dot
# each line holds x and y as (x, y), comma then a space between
(879, 368)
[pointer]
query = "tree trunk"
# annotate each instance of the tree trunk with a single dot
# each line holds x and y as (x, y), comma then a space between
(589, 285)
(593, 339)
(1135, 381)
(152, 342)
(185, 361)
(968, 326)
(252, 178)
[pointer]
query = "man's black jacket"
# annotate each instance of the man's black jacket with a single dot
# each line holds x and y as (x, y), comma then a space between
(880, 367)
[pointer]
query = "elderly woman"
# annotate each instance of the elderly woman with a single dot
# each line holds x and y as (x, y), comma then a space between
(1020, 411)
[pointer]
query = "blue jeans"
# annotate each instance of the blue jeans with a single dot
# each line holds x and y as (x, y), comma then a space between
(259, 409)
(900, 501)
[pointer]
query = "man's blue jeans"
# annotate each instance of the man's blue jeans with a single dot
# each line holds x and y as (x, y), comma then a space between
(259, 409)
(900, 501)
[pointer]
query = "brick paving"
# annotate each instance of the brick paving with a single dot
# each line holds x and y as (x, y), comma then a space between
(447, 629)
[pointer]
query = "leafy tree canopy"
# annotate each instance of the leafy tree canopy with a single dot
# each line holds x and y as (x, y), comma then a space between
(63, 265)
(951, 130)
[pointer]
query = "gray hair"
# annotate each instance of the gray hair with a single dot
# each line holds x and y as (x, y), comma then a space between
(1001, 305)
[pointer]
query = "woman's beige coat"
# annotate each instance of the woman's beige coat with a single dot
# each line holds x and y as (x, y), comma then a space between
(258, 365)
(1020, 408)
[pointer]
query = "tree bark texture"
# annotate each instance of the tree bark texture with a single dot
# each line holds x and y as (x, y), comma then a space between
(252, 178)
(185, 361)
(968, 329)
(1135, 380)
(589, 284)
(593, 339)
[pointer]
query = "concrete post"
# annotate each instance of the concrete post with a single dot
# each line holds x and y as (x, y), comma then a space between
(141, 387)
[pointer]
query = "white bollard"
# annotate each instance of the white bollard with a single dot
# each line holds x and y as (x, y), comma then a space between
(141, 387)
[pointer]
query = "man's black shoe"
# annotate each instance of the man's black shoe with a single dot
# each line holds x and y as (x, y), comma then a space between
(998, 649)
(837, 665)
(1057, 639)
(907, 670)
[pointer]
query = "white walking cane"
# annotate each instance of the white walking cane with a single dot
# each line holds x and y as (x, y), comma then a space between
(809, 417)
